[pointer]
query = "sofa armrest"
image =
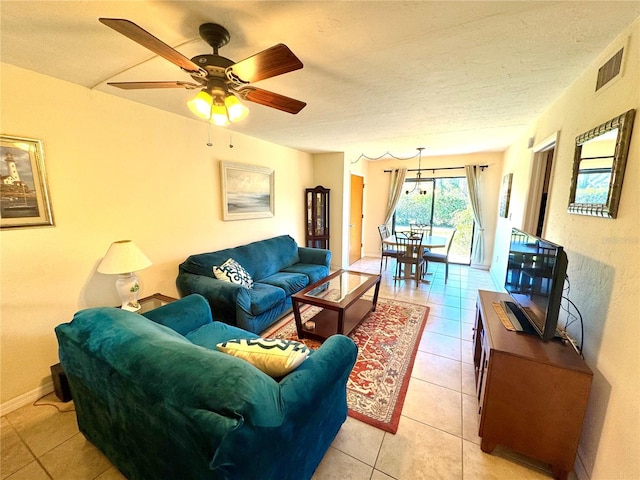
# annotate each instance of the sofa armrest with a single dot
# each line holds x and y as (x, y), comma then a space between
(324, 370)
(317, 256)
(184, 315)
(223, 297)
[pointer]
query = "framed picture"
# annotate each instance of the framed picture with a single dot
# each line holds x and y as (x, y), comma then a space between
(24, 196)
(247, 191)
(505, 195)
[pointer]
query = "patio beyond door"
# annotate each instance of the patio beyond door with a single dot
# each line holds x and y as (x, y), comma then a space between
(442, 203)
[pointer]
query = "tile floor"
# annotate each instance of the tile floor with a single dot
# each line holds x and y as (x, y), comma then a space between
(437, 437)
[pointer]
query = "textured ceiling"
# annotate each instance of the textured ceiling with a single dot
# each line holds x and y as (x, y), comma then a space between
(454, 77)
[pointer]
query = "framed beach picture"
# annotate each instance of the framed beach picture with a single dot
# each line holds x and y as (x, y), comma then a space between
(24, 196)
(505, 195)
(247, 191)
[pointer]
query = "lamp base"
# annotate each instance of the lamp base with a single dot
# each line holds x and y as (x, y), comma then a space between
(128, 288)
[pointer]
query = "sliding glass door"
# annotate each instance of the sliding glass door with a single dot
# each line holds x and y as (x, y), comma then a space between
(442, 203)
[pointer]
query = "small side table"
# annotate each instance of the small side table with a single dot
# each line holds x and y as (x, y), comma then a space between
(154, 301)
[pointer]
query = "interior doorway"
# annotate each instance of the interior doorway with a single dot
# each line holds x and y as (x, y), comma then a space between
(541, 169)
(355, 219)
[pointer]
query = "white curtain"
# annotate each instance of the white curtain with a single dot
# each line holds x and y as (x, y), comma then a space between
(397, 181)
(473, 181)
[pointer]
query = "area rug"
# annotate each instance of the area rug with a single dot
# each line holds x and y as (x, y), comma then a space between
(387, 344)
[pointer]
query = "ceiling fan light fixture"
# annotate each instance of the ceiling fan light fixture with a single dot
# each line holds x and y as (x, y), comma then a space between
(200, 105)
(219, 115)
(237, 111)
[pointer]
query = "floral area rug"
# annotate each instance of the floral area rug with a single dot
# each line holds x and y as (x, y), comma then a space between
(387, 344)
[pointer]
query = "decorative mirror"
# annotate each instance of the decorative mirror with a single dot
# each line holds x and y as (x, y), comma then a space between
(598, 167)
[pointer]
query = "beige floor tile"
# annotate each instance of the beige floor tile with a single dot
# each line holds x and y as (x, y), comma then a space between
(112, 474)
(413, 295)
(468, 316)
(43, 427)
(443, 311)
(467, 331)
(337, 465)
(378, 475)
(360, 440)
(442, 326)
(32, 471)
(74, 459)
(439, 370)
(444, 299)
(434, 405)
(442, 345)
(466, 349)
(495, 466)
(468, 379)
(15, 454)
(470, 419)
(419, 452)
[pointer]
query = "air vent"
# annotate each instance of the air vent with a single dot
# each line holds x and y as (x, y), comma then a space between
(609, 70)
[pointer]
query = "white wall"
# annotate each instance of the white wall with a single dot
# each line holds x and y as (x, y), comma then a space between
(377, 184)
(117, 170)
(604, 260)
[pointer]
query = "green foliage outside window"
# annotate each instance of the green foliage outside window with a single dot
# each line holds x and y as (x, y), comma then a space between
(451, 210)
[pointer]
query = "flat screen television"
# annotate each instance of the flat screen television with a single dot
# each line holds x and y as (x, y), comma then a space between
(536, 273)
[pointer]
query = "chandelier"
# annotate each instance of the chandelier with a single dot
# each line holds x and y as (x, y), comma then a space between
(417, 185)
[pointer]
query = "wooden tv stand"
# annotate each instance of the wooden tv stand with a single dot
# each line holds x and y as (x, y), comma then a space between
(532, 395)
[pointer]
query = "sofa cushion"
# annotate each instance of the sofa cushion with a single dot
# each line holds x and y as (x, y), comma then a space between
(288, 281)
(274, 357)
(265, 297)
(213, 333)
(231, 271)
(313, 271)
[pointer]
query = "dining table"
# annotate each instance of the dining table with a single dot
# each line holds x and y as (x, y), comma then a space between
(428, 242)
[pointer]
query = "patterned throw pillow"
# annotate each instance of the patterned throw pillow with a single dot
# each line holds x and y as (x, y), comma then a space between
(231, 271)
(276, 358)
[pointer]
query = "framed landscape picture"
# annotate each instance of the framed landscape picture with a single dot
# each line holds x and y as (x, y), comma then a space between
(24, 196)
(247, 191)
(505, 195)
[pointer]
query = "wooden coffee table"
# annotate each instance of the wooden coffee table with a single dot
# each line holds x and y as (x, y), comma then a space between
(340, 297)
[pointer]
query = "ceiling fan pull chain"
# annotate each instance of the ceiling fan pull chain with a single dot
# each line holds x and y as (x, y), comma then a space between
(209, 144)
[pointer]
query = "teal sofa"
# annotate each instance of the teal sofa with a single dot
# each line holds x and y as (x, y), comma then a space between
(278, 267)
(156, 397)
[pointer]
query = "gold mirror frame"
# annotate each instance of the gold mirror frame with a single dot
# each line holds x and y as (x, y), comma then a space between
(624, 124)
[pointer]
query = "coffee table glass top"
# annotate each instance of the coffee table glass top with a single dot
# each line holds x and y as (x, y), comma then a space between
(337, 288)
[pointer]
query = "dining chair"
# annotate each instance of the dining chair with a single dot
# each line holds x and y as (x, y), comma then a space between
(425, 228)
(387, 250)
(431, 256)
(409, 257)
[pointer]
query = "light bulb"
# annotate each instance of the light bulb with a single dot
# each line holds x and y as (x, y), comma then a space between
(219, 114)
(200, 105)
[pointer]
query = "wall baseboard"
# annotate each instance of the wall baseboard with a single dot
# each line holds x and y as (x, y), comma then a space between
(27, 398)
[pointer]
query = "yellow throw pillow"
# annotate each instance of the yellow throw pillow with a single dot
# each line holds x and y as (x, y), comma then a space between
(274, 357)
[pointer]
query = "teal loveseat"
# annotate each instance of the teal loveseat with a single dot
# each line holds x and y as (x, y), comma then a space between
(156, 397)
(278, 268)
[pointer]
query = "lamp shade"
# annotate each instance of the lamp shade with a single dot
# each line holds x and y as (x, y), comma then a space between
(200, 105)
(123, 257)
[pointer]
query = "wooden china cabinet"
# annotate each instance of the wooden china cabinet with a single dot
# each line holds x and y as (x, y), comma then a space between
(317, 217)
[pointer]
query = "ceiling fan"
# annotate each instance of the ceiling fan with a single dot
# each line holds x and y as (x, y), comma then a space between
(221, 80)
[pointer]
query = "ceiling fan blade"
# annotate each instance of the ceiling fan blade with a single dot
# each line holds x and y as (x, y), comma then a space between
(144, 38)
(266, 64)
(270, 99)
(142, 85)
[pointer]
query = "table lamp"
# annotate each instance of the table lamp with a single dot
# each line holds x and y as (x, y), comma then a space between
(124, 258)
